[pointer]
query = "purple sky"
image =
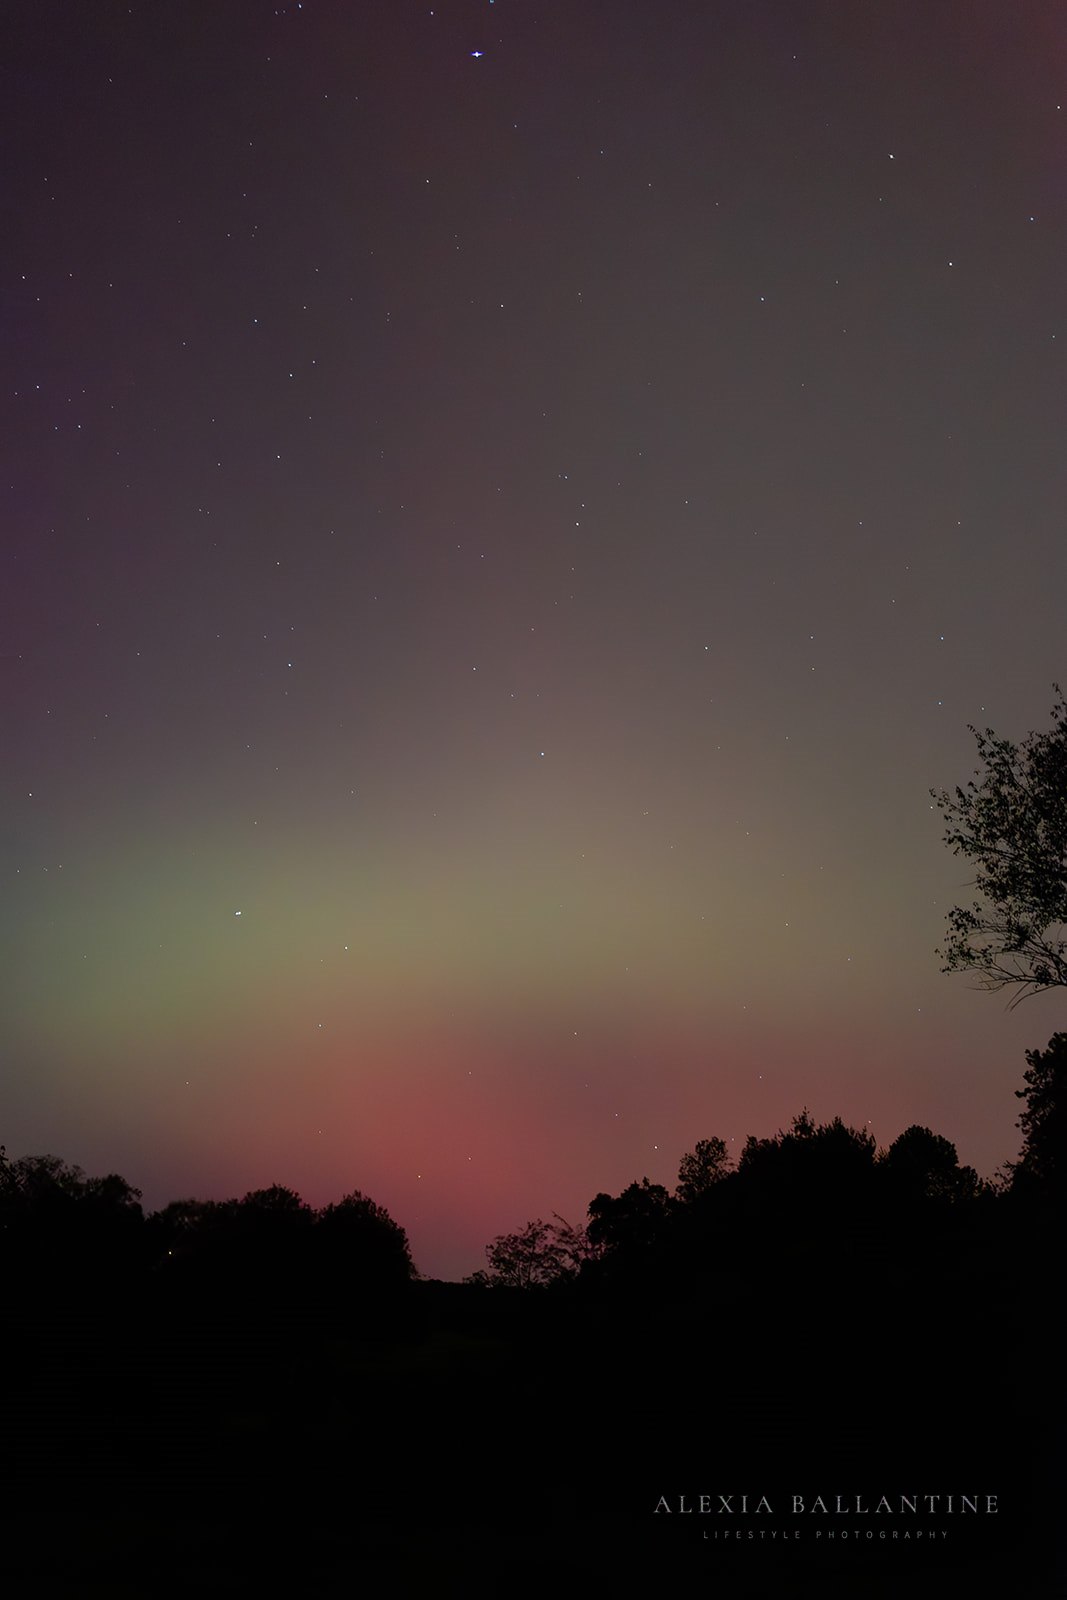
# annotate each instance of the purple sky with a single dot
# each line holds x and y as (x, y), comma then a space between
(508, 510)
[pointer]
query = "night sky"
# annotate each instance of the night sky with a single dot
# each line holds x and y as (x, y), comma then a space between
(508, 508)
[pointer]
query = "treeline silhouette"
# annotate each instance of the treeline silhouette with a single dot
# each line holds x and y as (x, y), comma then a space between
(61, 1231)
(817, 1316)
(809, 1175)
(59, 1226)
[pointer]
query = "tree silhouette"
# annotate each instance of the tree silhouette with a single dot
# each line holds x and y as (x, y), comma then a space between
(921, 1165)
(358, 1237)
(57, 1224)
(631, 1221)
(809, 1163)
(1011, 821)
(701, 1168)
(539, 1254)
(45, 1181)
(273, 1236)
(1042, 1164)
(270, 1225)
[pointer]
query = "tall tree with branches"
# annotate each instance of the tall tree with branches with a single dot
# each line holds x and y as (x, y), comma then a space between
(1011, 822)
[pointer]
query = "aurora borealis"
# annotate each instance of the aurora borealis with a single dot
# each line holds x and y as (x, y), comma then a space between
(509, 508)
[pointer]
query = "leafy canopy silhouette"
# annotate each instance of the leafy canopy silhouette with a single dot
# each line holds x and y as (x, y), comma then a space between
(1042, 1164)
(540, 1254)
(1011, 821)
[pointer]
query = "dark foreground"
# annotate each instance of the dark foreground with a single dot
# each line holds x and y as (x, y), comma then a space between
(202, 1438)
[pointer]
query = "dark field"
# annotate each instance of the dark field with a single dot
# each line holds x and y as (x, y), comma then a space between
(191, 1435)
